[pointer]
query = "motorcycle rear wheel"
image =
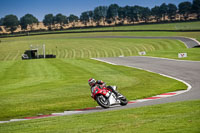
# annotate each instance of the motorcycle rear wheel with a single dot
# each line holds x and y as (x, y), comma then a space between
(103, 101)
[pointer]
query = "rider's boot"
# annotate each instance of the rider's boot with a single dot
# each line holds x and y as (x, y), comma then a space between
(118, 94)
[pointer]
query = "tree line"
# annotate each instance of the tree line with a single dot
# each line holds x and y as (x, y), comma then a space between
(109, 14)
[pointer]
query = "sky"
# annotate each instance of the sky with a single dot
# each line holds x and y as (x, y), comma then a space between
(39, 8)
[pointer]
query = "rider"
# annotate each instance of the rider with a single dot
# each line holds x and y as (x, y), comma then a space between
(92, 82)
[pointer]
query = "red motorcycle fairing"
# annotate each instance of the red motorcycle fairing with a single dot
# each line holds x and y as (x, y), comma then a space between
(106, 98)
(98, 91)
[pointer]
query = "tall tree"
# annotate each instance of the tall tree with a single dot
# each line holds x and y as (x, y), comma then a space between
(97, 16)
(136, 13)
(171, 11)
(112, 12)
(155, 11)
(196, 7)
(100, 14)
(28, 19)
(185, 8)
(72, 19)
(61, 19)
(48, 20)
(163, 10)
(121, 14)
(11, 21)
(145, 13)
(1, 21)
(128, 13)
(91, 15)
(85, 18)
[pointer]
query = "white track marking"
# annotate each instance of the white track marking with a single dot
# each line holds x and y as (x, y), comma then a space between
(177, 92)
(66, 113)
(104, 61)
(52, 115)
(168, 59)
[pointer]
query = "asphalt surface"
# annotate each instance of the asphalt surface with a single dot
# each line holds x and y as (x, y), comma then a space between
(188, 71)
(189, 42)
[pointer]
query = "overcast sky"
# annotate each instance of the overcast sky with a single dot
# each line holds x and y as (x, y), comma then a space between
(39, 8)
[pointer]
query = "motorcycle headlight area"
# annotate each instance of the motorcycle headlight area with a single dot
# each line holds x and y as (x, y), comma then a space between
(108, 94)
(96, 91)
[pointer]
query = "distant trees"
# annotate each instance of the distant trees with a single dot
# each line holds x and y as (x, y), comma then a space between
(171, 11)
(121, 14)
(61, 19)
(155, 11)
(100, 14)
(130, 13)
(85, 18)
(163, 10)
(145, 13)
(110, 14)
(48, 20)
(28, 19)
(72, 19)
(196, 7)
(11, 21)
(1, 21)
(185, 9)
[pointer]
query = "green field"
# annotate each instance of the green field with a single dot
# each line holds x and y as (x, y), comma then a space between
(66, 46)
(181, 117)
(29, 88)
(44, 86)
(33, 87)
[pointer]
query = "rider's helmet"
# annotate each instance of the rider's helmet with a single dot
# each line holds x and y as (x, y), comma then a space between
(91, 82)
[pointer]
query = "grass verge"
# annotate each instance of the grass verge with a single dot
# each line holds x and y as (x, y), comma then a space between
(32, 87)
(65, 46)
(172, 117)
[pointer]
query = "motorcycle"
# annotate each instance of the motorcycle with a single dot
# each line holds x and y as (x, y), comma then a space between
(106, 98)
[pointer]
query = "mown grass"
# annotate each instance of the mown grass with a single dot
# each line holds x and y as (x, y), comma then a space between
(172, 117)
(42, 86)
(33, 87)
(66, 46)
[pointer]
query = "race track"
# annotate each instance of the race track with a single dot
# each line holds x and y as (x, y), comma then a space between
(189, 42)
(188, 71)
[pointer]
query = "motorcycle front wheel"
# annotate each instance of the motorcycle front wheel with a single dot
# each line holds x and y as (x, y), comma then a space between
(103, 101)
(123, 101)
